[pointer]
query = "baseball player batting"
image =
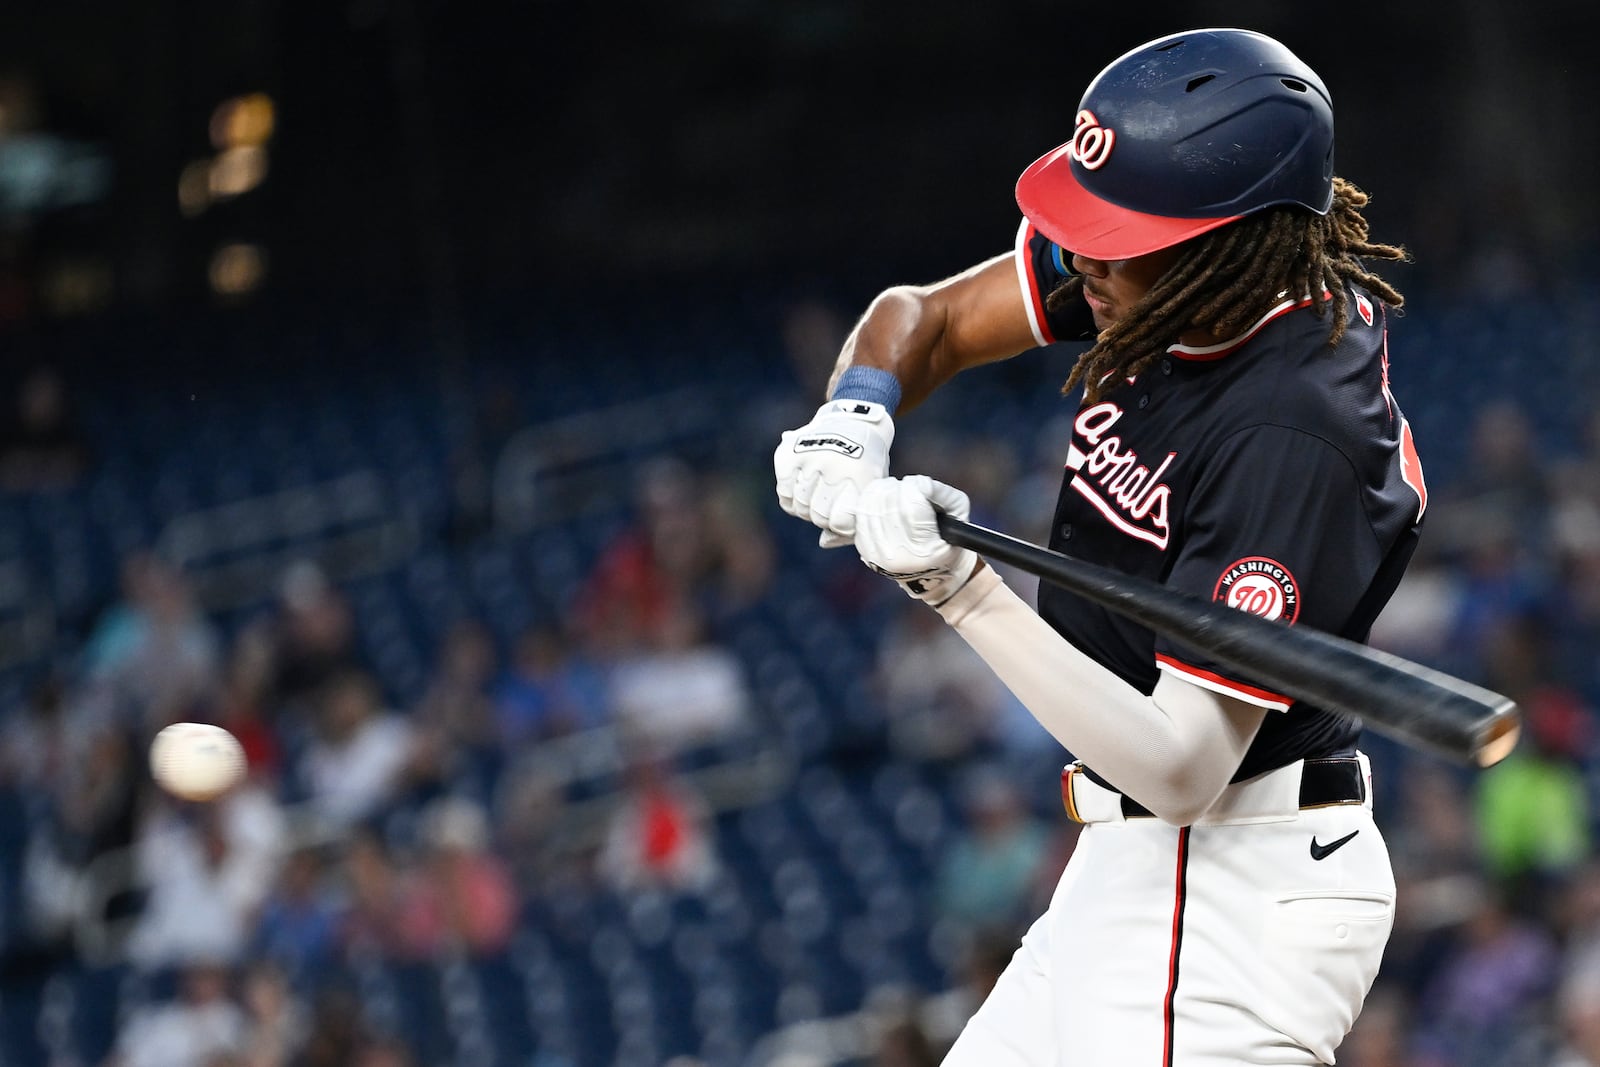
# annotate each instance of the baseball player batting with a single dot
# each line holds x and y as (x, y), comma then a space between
(1230, 896)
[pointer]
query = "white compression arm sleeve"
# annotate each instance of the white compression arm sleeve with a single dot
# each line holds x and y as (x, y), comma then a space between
(1173, 751)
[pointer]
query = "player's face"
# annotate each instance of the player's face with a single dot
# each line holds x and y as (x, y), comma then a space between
(1112, 286)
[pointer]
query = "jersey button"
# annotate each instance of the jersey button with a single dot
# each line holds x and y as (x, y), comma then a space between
(1166, 366)
(1065, 531)
(1144, 401)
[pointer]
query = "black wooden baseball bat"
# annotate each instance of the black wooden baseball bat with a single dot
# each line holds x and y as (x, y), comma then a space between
(1407, 701)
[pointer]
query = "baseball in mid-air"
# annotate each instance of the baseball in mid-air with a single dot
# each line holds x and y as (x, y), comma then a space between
(196, 761)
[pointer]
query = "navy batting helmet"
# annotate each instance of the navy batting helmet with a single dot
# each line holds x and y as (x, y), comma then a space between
(1180, 136)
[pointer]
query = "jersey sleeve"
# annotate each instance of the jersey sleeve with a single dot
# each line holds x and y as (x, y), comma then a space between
(1275, 526)
(1041, 266)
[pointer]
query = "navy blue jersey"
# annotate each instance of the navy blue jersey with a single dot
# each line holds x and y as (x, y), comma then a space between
(1270, 472)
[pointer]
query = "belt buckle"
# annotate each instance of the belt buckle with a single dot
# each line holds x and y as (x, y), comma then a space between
(1068, 772)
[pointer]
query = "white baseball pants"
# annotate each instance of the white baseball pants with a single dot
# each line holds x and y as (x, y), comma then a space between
(1224, 943)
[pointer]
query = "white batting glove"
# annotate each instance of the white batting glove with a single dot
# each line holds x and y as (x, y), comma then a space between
(822, 466)
(897, 535)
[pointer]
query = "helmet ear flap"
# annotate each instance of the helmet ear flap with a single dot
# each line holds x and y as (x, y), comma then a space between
(1061, 259)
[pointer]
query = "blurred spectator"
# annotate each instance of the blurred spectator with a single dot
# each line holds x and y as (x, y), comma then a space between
(461, 897)
(694, 553)
(209, 868)
(458, 898)
(383, 1052)
(658, 836)
(1578, 998)
(550, 689)
(41, 444)
(1061, 840)
(299, 927)
(813, 332)
(153, 652)
(371, 923)
(986, 874)
(679, 689)
(1433, 839)
(497, 417)
(244, 701)
(1505, 476)
(359, 758)
(1483, 1003)
(1417, 621)
(530, 813)
(456, 703)
(983, 959)
(1380, 1035)
(693, 549)
(942, 701)
(744, 556)
(42, 741)
(203, 1024)
(1533, 810)
(35, 753)
(1499, 595)
(90, 812)
(643, 577)
(335, 1034)
(1578, 1009)
(454, 721)
(903, 1043)
(314, 639)
(276, 1025)
(1575, 629)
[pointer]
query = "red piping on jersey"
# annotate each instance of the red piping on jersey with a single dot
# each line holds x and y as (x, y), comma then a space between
(1181, 895)
(1206, 353)
(1036, 306)
(1248, 691)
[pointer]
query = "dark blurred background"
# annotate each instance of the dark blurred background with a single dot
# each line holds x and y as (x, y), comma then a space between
(394, 382)
(406, 147)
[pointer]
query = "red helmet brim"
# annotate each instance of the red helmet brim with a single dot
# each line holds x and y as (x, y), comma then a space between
(1061, 208)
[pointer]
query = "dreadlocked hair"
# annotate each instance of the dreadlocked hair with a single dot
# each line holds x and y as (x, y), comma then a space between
(1225, 280)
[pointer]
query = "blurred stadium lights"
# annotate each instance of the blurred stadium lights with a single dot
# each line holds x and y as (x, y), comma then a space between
(239, 130)
(194, 188)
(77, 286)
(243, 121)
(237, 269)
(40, 170)
(235, 171)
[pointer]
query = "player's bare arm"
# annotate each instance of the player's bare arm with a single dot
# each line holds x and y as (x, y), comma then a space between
(911, 340)
(925, 335)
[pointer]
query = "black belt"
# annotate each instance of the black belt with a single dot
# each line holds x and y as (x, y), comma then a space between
(1323, 783)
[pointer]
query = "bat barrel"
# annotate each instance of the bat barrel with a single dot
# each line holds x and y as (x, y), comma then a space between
(1418, 705)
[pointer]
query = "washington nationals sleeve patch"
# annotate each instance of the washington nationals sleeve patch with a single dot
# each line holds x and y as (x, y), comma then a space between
(1260, 586)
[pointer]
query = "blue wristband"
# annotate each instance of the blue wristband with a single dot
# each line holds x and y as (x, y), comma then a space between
(871, 384)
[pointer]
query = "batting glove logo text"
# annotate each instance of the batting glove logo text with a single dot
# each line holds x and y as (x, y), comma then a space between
(830, 443)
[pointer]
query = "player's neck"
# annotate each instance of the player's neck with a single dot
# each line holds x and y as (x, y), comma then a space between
(1199, 339)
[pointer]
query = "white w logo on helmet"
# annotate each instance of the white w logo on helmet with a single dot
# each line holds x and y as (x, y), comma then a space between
(1091, 142)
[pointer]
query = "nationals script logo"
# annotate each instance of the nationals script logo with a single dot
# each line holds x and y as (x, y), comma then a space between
(1128, 493)
(1260, 586)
